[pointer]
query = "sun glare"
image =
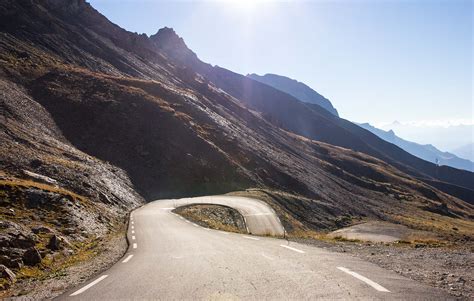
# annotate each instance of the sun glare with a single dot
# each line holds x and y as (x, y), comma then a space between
(244, 5)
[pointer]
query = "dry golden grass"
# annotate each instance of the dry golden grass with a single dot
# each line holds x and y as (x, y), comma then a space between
(23, 183)
(436, 229)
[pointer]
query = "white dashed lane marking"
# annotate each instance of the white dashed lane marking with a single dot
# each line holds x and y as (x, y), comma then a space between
(135, 245)
(133, 237)
(293, 249)
(127, 259)
(373, 284)
(248, 237)
(85, 288)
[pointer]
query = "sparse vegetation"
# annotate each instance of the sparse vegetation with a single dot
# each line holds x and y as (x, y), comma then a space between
(214, 216)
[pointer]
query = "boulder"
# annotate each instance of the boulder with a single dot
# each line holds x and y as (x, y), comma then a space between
(23, 241)
(4, 240)
(41, 229)
(14, 236)
(35, 163)
(12, 252)
(31, 257)
(9, 225)
(37, 198)
(13, 263)
(6, 273)
(54, 243)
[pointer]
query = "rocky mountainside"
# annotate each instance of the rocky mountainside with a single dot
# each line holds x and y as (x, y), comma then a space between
(95, 120)
(426, 152)
(296, 89)
(313, 122)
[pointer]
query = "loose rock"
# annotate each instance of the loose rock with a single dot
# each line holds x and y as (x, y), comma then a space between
(54, 243)
(31, 257)
(6, 273)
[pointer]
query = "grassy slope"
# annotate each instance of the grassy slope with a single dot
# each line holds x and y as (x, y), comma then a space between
(307, 218)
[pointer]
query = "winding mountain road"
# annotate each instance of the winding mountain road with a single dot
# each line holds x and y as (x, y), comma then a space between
(171, 258)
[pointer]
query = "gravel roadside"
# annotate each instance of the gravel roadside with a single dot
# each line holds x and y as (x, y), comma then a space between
(448, 268)
(108, 251)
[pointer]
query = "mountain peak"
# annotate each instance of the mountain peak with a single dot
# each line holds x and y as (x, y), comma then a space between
(166, 33)
(167, 40)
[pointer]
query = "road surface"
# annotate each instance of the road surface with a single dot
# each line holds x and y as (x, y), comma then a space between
(260, 218)
(171, 258)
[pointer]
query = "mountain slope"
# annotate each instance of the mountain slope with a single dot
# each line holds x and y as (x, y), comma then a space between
(296, 89)
(311, 121)
(426, 152)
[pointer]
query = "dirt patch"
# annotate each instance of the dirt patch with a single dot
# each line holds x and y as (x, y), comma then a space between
(214, 216)
(305, 217)
(381, 232)
(443, 267)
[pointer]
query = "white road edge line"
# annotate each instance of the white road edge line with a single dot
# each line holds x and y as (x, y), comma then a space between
(293, 249)
(248, 237)
(246, 226)
(133, 237)
(127, 259)
(364, 279)
(168, 208)
(85, 288)
(195, 225)
(223, 232)
(135, 245)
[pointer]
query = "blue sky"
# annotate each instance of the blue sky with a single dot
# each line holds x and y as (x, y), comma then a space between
(377, 61)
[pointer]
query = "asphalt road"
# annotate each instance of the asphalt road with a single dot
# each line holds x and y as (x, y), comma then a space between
(170, 258)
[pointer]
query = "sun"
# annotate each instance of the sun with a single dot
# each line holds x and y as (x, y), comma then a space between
(244, 5)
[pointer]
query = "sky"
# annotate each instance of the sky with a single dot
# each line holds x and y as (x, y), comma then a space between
(376, 61)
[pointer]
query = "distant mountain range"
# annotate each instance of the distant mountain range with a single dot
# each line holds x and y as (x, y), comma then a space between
(296, 89)
(444, 135)
(465, 151)
(426, 152)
